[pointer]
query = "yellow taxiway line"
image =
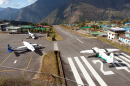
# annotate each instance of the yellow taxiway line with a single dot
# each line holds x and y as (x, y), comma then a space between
(6, 58)
(19, 69)
(28, 64)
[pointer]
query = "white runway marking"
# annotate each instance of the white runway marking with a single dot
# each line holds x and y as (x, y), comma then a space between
(121, 68)
(124, 58)
(122, 61)
(95, 74)
(15, 61)
(125, 55)
(75, 72)
(101, 68)
(85, 73)
(56, 46)
(79, 41)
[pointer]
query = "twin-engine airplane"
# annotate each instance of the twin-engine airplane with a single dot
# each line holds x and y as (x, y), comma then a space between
(27, 46)
(101, 53)
(31, 35)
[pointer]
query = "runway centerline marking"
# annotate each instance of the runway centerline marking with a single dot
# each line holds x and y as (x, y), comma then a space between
(75, 72)
(6, 58)
(85, 73)
(95, 74)
(79, 40)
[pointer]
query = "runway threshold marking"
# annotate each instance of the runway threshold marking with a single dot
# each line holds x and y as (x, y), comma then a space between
(95, 74)
(85, 73)
(75, 72)
(125, 55)
(124, 58)
(6, 58)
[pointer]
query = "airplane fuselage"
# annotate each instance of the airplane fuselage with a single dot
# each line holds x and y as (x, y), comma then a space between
(29, 46)
(32, 35)
(102, 55)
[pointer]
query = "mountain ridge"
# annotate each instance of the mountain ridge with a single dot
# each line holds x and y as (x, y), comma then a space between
(7, 12)
(37, 11)
(81, 10)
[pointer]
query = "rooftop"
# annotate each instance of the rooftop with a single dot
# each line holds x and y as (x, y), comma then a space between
(27, 26)
(123, 36)
(117, 29)
(46, 26)
(13, 28)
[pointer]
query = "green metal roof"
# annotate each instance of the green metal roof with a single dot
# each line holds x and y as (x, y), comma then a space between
(37, 28)
(125, 26)
(84, 27)
(27, 26)
(95, 33)
(43, 28)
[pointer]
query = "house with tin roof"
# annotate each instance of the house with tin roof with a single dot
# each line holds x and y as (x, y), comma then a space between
(115, 32)
(125, 38)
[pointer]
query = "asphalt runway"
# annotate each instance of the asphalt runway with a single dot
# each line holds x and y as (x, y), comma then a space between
(15, 62)
(87, 69)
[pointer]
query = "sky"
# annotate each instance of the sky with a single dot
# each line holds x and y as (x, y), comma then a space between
(16, 3)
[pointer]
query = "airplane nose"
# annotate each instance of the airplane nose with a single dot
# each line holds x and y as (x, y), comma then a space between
(33, 49)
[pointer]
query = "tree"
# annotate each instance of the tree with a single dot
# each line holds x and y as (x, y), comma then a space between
(44, 23)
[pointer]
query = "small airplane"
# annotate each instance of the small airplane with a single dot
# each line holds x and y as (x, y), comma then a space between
(31, 35)
(101, 53)
(27, 46)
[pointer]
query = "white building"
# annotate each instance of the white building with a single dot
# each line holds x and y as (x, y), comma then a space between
(114, 32)
(13, 29)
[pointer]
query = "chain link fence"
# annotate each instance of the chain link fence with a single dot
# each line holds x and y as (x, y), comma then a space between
(17, 77)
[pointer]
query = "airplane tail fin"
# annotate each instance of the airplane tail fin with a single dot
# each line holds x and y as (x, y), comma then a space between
(110, 58)
(28, 31)
(9, 48)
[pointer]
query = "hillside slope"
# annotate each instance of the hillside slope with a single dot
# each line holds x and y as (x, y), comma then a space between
(37, 11)
(82, 10)
(7, 12)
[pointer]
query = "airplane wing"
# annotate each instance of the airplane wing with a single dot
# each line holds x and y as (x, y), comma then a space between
(87, 51)
(36, 45)
(111, 50)
(108, 50)
(21, 47)
(10, 49)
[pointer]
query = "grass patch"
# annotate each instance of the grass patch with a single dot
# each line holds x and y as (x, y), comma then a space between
(3, 33)
(17, 81)
(49, 65)
(54, 36)
(124, 48)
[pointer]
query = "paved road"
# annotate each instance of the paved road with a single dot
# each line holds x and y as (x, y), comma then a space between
(86, 69)
(22, 60)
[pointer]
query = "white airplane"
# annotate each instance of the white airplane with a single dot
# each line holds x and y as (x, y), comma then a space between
(31, 35)
(101, 53)
(27, 46)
